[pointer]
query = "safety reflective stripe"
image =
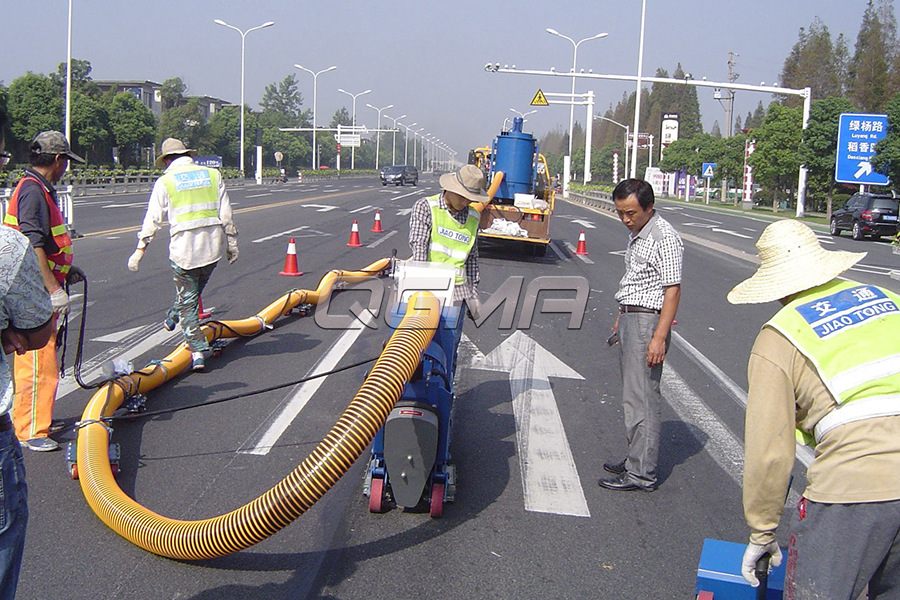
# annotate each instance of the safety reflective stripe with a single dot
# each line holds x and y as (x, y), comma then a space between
(864, 408)
(193, 196)
(60, 260)
(856, 376)
(457, 254)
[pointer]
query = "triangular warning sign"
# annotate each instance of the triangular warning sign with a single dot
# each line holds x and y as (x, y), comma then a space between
(708, 172)
(539, 99)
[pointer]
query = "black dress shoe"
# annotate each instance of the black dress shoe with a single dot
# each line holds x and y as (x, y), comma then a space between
(614, 468)
(621, 483)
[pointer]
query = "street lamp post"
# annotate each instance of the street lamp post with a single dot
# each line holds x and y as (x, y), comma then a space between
(353, 148)
(243, 39)
(627, 130)
(69, 78)
(378, 130)
(416, 143)
(394, 137)
(572, 99)
(406, 146)
(315, 74)
(637, 99)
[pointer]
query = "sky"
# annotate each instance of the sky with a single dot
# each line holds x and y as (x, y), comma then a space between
(425, 57)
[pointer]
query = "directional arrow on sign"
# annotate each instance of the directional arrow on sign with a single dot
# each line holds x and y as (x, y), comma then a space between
(549, 476)
(865, 168)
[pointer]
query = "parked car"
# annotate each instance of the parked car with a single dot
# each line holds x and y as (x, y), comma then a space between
(866, 214)
(400, 175)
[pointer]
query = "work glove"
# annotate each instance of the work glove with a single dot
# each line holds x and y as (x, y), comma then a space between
(135, 259)
(232, 252)
(60, 301)
(753, 554)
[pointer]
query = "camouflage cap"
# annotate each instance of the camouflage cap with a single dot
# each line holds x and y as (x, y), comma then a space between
(53, 142)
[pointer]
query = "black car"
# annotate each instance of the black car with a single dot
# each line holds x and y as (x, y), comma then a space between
(866, 214)
(400, 175)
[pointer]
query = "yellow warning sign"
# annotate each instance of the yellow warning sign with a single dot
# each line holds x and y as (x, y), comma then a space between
(539, 99)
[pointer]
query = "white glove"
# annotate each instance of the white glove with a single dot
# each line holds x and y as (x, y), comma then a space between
(753, 554)
(232, 252)
(135, 259)
(60, 301)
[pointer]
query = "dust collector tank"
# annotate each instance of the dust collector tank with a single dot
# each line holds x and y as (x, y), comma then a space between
(514, 154)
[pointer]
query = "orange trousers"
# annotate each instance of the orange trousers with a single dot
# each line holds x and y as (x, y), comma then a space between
(36, 376)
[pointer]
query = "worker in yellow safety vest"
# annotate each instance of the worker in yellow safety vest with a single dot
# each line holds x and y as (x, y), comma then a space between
(194, 201)
(827, 364)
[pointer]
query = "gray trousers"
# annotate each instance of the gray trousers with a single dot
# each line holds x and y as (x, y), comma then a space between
(836, 549)
(640, 396)
(189, 284)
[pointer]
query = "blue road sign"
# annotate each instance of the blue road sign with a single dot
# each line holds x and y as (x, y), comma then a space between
(709, 170)
(857, 136)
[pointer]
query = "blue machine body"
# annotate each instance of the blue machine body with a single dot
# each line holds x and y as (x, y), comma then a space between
(719, 572)
(515, 153)
(429, 390)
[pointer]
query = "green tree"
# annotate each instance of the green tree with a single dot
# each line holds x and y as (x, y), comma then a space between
(284, 99)
(90, 127)
(34, 106)
(132, 125)
(294, 145)
(776, 158)
(172, 92)
(869, 70)
(716, 132)
(682, 155)
(186, 123)
(818, 149)
(755, 119)
(887, 152)
(815, 62)
(81, 79)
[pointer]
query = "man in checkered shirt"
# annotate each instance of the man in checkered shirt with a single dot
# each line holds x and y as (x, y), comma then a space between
(648, 300)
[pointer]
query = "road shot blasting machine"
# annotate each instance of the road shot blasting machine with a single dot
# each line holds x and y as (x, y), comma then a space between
(410, 462)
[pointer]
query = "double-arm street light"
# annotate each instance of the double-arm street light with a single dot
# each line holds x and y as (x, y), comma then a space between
(574, 70)
(523, 115)
(406, 146)
(627, 130)
(394, 137)
(416, 143)
(353, 148)
(315, 74)
(378, 130)
(243, 40)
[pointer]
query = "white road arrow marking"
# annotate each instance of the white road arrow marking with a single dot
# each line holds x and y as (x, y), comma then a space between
(365, 208)
(585, 224)
(549, 476)
(403, 212)
(280, 234)
(865, 168)
(321, 207)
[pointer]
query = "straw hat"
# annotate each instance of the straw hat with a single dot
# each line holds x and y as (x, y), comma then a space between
(467, 181)
(790, 260)
(172, 146)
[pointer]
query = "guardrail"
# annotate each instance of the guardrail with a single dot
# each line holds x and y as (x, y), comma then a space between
(602, 200)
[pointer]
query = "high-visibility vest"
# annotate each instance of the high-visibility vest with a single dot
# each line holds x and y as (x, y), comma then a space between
(61, 260)
(193, 197)
(451, 241)
(851, 334)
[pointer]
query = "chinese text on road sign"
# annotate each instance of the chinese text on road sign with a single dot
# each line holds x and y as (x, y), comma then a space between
(857, 136)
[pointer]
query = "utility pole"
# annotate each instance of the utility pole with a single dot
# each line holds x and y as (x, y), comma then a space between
(728, 105)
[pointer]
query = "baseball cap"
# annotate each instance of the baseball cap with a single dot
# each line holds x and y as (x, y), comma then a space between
(53, 142)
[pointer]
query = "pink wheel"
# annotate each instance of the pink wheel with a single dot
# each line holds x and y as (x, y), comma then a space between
(437, 500)
(376, 495)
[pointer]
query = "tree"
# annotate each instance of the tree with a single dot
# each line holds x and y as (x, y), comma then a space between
(34, 106)
(172, 92)
(131, 123)
(284, 99)
(869, 70)
(887, 152)
(756, 119)
(90, 127)
(715, 131)
(818, 149)
(81, 79)
(185, 123)
(776, 160)
(815, 62)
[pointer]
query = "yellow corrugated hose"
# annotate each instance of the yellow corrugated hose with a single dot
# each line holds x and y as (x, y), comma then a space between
(296, 493)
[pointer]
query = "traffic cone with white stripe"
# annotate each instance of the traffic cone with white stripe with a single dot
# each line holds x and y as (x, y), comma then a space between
(354, 236)
(581, 250)
(376, 228)
(291, 266)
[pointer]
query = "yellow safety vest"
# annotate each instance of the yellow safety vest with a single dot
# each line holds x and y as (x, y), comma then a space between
(850, 333)
(451, 241)
(193, 197)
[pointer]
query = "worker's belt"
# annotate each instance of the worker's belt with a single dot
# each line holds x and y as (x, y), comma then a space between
(630, 308)
(5, 423)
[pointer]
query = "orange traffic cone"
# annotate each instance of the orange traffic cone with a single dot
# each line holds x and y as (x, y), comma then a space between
(376, 228)
(354, 236)
(581, 249)
(291, 267)
(203, 315)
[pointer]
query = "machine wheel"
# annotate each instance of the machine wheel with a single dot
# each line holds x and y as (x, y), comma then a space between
(115, 469)
(437, 500)
(835, 231)
(73, 470)
(376, 495)
(858, 231)
(705, 596)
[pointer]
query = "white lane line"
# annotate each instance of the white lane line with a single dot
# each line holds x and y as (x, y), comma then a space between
(383, 239)
(729, 232)
(280, 234)
(124, 205)
(405, 195)
(581, 257)
(365, 208)
(282, 417)
(585, 224)
(258, 195)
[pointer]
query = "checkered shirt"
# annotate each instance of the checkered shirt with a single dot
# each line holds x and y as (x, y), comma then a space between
(652, 263)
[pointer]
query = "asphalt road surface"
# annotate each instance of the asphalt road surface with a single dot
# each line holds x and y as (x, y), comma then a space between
(507, 535)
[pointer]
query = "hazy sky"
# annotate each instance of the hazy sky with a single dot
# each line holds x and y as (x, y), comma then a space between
(425, 57)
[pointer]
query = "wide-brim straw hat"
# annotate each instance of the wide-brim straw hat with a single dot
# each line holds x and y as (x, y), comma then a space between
(172, 146)
(467, 181)
(791, 260)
